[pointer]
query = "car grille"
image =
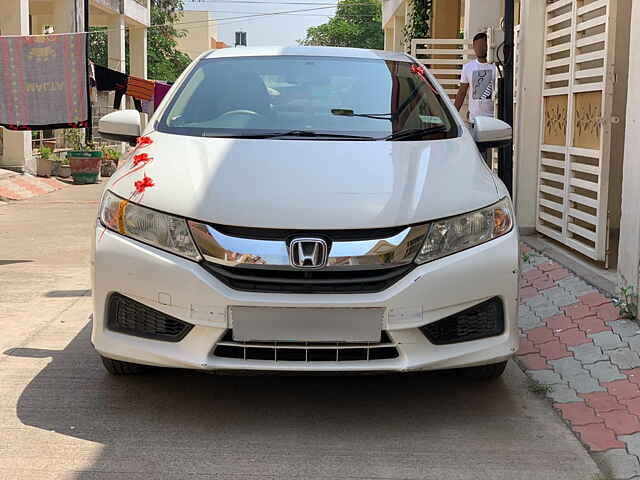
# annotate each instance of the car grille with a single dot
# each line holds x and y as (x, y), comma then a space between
(480, 321)
(125, 315)
(301, 281)
(305, 352)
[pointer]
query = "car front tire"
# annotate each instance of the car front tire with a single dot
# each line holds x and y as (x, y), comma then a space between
(485, 372)
(117, 367)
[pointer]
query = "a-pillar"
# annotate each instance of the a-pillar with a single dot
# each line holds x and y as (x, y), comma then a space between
(16, 145)
(629, 251)
(529, 110)
(116, 44)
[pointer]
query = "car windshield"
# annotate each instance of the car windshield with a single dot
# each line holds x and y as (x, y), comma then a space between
(299, 96)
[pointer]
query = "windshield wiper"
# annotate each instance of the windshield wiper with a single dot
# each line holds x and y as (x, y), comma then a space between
(345, 112)
(416, 133)
(297, 133)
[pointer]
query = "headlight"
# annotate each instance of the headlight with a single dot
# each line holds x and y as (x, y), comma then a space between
(148, 226)
(459, 233)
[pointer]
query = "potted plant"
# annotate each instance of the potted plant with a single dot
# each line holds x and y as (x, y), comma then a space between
(110, 157)
(84, 159)
(56, 162)
(64, 171)
(43, 162)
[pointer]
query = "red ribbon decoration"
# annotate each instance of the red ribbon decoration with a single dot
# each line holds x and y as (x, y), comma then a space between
(142, 185)
(141, 158)
(144, 141)
(418, 70)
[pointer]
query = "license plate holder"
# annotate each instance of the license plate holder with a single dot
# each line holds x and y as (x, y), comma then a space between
(286, 324)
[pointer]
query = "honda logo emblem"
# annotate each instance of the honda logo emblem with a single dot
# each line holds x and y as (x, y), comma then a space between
(308, 253)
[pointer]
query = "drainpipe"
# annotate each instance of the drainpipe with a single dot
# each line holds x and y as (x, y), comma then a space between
(505, 155)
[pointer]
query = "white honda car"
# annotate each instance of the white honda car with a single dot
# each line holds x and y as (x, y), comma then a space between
(305, 209)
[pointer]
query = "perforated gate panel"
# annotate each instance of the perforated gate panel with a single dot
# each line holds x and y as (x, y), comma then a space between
(573, 175)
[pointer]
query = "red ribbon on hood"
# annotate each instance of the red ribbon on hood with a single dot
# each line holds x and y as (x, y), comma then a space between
(141, 158)
(142, 185)
(144, 141)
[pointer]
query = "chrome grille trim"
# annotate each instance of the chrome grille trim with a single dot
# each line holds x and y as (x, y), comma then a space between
(229, 251)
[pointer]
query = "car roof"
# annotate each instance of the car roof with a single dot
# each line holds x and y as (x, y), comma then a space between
(307, 51)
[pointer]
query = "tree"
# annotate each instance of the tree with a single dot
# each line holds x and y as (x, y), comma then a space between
(357, 23)
(419, 15)
(164, 61)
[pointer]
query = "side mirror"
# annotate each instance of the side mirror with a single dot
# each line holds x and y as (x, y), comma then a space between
(121, 125)
(489, 132)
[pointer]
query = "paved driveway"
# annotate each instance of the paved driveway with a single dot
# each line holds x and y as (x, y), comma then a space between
(61, 416)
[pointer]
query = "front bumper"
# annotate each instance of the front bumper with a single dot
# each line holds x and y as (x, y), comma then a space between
(186, 291)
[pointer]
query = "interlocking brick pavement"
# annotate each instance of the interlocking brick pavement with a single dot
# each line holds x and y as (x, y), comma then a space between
(20, 187)
(573, 340)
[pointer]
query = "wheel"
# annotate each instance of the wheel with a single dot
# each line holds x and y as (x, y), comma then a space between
(485, 372)
(117, 367)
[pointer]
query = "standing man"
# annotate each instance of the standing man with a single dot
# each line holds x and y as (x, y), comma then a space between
(482, 77)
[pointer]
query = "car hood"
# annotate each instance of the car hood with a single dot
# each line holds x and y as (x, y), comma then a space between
(308, 184)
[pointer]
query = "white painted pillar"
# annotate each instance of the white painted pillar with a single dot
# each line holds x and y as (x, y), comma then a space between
(482, 14)
(138, 51)
(388, 39)
(529, 113)
(116, 44)
(14, 20)
(398, 33)
(629, 251)
(64, 20)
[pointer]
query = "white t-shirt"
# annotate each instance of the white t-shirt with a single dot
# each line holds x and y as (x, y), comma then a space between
(481, 78)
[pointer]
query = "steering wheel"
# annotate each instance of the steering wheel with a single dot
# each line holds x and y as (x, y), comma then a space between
(240, 112)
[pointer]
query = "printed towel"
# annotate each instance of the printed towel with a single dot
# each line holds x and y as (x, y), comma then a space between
(43, 82)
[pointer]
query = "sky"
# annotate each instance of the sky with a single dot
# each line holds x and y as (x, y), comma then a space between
(280, 30)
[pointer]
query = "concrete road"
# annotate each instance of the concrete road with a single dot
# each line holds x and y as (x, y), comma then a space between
(63, 417)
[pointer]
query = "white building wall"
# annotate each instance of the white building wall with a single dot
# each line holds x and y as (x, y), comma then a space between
(629, 251)
(200, 28)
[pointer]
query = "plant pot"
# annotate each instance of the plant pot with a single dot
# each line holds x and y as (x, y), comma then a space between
(43, 167)
(64, 171)
(85, 166)
(55, 167)
(108, 168)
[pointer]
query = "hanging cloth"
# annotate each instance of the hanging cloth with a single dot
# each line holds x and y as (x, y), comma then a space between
(92, 83)
(160, 91)
(108, 80)
(140, 88)
(43, 82)
(147, 107)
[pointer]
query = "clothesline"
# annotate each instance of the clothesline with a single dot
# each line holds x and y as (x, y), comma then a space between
(146, 94)
(190, 23)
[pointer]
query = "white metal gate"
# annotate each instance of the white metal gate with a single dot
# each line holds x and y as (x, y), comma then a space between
(444, 58)
(573, 179)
